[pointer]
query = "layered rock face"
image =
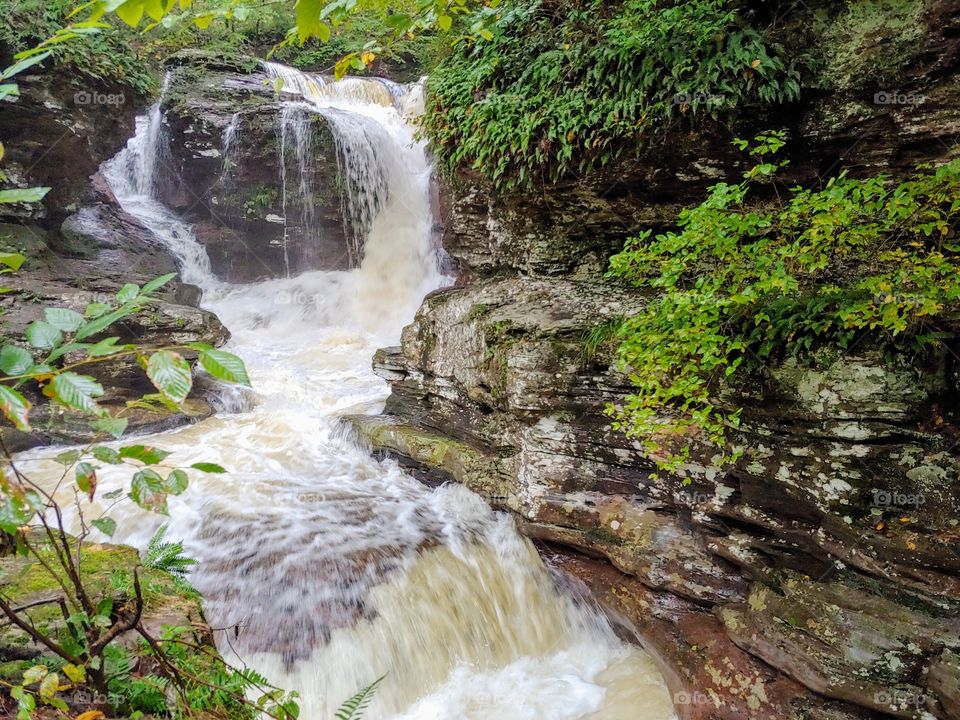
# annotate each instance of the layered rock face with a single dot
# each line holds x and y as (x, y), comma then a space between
(819, 577)
(55, 134)
(81, 247)
(260, 183)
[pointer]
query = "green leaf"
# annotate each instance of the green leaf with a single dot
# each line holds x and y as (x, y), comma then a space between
(113, 426)
(143, 453)
(16, 408)
(131, 12)
(128, 292)
(308, 19)
(66, 350)
(176, 482)
(107, 526)
(157, 283)
(63, 319)
(203, 21)
(107, 346)
(444, 22)
(15, 512)
(34, 674)
(23, 65)
(224, 366)
(86, 476)
(49, 686)
(106, 454)
(95, 310)
(208, 467)
(15, 360)
(43, 335)
(170, 374)
(9, 90)
(75, 391)
(14, 261)
(75, 673)
(147, 491)
(23, 195)
(353, 708)
(103, 322)
(68, 457)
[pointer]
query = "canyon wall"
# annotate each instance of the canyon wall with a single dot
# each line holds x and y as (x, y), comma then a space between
(819, 577)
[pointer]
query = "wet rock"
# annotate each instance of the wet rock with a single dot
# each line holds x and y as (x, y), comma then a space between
(55, 135)
(95, 252)
(843, 511)
(709, 677)
(261, 183)
(844, 643)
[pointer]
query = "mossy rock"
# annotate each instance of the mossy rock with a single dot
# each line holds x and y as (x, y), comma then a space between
(107, 572)
(870, 43)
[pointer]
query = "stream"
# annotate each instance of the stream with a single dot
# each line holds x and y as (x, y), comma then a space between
(336, 568)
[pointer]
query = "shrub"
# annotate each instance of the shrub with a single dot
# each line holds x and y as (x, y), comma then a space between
(746, 282)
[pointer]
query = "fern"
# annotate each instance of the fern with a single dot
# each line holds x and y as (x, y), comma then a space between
(166, 556)
(353, 708)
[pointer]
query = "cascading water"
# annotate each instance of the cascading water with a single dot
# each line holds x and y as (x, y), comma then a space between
(336, 568)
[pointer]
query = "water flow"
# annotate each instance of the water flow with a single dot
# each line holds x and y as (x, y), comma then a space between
(295, 130)
(230, 151)
(331, 567)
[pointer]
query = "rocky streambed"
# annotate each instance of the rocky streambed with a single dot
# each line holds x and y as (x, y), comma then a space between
(818, 578)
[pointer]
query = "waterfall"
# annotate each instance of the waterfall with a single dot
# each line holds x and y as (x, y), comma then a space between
(133, 175)
(330, 568)
(230, 151)
(357, 112)
(295, 131)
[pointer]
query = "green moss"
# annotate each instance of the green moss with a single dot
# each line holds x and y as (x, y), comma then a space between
(107, 571)
(602, 535)
(869, 44)
(600, 340)
(477, 312)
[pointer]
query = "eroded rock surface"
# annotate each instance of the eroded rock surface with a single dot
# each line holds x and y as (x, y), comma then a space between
(261, 183)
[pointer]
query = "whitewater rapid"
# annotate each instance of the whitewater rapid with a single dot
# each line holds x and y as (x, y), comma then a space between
(336, 568)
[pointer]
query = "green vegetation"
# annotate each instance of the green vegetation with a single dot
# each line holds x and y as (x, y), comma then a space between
(757, 273)
(87, 56)
(570, 86)
(139, 671)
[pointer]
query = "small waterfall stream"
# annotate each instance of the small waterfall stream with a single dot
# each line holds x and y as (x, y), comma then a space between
(334, 567)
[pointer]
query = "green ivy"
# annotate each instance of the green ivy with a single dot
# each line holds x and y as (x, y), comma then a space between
(753, 276)
(570, 86)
